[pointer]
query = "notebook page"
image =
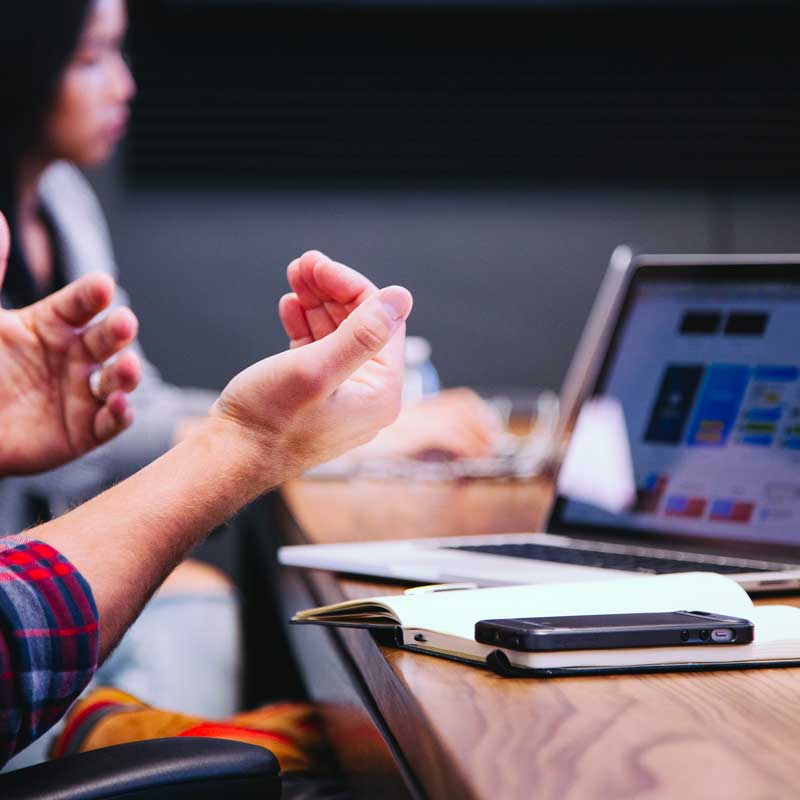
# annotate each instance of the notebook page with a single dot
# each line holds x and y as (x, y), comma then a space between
(455, 613)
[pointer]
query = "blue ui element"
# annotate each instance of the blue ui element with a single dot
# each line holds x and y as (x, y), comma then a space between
(721, 508)
(763, 414)
(760, 440)
(673, 403)
(720, 400)
(676, 504)
(776, 374)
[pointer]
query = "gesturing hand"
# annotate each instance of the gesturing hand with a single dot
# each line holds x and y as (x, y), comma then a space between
(48, 413)
(457, 421)
(339, 384)
(323, 295)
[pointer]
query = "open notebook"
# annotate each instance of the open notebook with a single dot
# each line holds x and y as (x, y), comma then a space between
(443, 623)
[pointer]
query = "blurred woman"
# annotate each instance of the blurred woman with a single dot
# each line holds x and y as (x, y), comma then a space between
(65, 90)
(64, 95)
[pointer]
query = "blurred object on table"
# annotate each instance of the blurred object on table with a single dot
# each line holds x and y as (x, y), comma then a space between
(421, 378)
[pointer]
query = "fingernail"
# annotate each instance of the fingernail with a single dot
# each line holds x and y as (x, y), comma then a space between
(397, 301)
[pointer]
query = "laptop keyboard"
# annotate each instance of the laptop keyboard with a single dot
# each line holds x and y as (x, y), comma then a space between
(608, 560)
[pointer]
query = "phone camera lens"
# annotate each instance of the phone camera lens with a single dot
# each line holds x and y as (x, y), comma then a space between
(704, 635)
(685, 636)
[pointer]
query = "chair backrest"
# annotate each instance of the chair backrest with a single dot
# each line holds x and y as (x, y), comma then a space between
(157, 769)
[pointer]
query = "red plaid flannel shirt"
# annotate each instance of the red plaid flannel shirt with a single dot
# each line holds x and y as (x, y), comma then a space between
(48, 640)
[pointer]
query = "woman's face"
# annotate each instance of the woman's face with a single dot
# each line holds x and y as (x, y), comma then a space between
(90, 112)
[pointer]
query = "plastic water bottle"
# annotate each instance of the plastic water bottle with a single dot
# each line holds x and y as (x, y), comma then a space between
(421, 377)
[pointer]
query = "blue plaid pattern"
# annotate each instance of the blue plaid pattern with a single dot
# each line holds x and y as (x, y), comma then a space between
(48, 640)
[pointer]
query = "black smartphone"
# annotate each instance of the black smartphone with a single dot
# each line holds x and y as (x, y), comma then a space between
(601, 631)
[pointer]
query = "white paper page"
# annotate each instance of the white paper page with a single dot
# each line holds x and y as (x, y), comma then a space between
(455, 613)
(775, 623)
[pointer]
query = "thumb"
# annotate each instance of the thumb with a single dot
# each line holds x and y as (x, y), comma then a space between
(360, 337)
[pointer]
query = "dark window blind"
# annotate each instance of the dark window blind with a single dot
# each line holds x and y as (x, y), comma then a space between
(269, 95)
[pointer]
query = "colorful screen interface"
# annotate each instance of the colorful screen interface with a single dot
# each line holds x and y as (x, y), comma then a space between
(708, 377)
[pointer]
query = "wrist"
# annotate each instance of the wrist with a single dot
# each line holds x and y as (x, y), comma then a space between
(254, 463)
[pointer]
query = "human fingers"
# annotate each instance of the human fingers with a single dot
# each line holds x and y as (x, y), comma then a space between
(481, 417)
(123, 375)
(320, 322)
(315, 277)
(327, 290)
(360, 338)
(5, 245)
(335, 282)
(453, 444)
(476, 442)
(113, 417)
(80, 301)
(304, 293)
(467, 408)
(453, 435)
(341, 287)
(477, 437)
(108, 336)
(294, 321)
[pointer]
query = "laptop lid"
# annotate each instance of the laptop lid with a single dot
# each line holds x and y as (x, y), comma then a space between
(704, 362)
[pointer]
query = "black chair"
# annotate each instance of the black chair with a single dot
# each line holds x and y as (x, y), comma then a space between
(157, 769)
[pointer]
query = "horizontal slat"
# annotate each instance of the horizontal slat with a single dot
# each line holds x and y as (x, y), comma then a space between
(228, 97)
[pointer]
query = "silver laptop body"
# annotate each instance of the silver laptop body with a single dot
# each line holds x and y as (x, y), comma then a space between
(702, 355)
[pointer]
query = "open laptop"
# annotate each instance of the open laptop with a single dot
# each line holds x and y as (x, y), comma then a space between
(702, 355)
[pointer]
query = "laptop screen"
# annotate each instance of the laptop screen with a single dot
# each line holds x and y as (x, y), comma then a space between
(705, 364)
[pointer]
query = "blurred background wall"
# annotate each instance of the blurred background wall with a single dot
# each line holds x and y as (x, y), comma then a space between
(488, 156)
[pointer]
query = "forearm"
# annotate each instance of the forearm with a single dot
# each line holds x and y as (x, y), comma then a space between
(128, 539)
(274, 419)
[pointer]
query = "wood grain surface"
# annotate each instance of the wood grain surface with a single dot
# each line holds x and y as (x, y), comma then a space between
(467, 733)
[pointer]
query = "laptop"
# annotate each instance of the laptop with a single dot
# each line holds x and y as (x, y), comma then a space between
(702, 356)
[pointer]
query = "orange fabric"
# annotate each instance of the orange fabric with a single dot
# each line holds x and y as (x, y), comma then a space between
(291, 731)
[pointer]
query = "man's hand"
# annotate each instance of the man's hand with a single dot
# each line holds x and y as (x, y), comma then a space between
(48, 413)
(339, 384)
(456, 422)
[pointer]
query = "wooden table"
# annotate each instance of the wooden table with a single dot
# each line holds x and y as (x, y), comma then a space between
(419, 726)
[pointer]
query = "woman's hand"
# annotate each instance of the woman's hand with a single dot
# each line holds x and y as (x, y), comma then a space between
(48, 413)
(456, 423)
(339, 384)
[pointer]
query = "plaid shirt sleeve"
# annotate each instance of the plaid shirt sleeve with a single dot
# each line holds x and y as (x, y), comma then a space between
(48, 640)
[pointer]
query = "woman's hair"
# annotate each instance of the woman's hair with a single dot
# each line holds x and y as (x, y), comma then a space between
(37, 40)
